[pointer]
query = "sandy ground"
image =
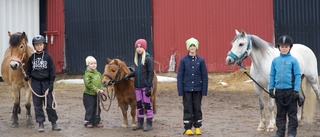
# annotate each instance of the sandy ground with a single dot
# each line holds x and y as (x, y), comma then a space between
(228, 111)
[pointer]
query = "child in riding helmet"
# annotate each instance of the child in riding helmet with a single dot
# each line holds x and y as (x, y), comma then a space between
(42, 71)
(92, 82)
(192, 84)
(143, 78)
(285, 78)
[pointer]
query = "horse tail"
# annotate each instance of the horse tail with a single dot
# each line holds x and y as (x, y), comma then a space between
(310, 101)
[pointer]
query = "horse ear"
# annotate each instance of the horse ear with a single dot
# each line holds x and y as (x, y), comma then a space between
(243, 32)
(116, 61)
(9, 33)
(237, 32)
(109, 60)
(23, 35)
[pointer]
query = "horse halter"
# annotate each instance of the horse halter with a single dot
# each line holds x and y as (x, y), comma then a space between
(243, 55)
(23, 55)
(113, 80)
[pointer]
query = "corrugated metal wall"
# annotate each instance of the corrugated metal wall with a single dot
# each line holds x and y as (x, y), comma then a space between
(299, 19)
(212, 22)
(55, 32)
(17, 16)
(104, 29)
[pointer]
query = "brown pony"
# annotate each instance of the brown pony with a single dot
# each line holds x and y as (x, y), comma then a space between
(14, 63)
(113, 75)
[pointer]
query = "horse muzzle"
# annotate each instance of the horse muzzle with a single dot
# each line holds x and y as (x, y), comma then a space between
(107, 83)
(14, 65)
(230, 61)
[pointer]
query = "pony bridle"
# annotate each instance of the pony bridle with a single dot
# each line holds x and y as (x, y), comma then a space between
(243, 56)
(115, 79)
(22, 57)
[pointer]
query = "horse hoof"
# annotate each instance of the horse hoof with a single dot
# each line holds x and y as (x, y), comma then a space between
(15, 125)
(124, 126)
(270, 130)
(133, 125)
(260, 129)
(30, 126)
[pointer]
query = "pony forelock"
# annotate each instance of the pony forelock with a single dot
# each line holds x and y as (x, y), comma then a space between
(16, 39)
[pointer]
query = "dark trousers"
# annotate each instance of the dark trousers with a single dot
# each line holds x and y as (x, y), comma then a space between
(92, 116)
(286, 105)
(40, 88)
(192, 114)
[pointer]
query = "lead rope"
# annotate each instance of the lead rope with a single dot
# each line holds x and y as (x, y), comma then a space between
(104, 97)
(54, 102)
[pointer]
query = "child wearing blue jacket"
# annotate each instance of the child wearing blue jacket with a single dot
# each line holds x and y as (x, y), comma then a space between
(285, 78)
(192, 84)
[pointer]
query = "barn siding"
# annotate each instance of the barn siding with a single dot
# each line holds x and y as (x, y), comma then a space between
(299, 19)
(104, 29)
(55, 32)
(25, 19)
(212, 22)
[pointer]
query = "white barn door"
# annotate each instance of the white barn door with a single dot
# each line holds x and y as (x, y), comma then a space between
(18, 16)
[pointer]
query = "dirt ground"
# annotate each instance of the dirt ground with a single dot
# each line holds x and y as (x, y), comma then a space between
(228, 111)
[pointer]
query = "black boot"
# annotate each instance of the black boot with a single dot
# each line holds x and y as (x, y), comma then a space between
(41, 127)
(149, 125)
(139, 124)
(55, 126)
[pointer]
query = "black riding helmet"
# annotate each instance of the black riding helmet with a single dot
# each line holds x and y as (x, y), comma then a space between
(38, 39)
(285, 39)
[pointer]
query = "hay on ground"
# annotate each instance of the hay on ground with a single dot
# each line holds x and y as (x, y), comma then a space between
(237, 76)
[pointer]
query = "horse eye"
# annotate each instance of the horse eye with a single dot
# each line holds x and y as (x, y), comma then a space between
(241, 44)
(21, 46)
(113, 70)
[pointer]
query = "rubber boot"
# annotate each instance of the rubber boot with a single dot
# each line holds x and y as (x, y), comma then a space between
(188, 132)
(139, 124)
(197, 130)
(149, 125)
(55, 126)
(41, 127)
(275, 136)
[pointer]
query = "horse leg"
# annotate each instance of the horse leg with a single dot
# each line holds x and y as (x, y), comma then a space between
(16, 106)
(262, 123)
(124, 109)
(133, 107)
(272, 122)
(28, 107)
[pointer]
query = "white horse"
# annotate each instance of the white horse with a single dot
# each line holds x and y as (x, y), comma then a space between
(262, 53)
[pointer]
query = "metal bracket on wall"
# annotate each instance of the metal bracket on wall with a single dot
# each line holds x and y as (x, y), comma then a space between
(51, 34)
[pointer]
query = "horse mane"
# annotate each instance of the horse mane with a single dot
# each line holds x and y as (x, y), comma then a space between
(122, 65)
(16, 38)
(259, 43)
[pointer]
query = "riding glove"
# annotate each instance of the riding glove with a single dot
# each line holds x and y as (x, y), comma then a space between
(271, 93)
(298, 98)
(126, 77)
(50, 87)
(26, 78)
(129, 75)
(148, 91)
